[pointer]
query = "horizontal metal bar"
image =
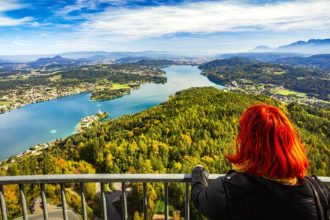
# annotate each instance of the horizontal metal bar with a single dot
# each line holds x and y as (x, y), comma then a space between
(67, 178)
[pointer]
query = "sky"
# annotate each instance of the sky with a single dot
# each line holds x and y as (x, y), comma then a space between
(193, 27)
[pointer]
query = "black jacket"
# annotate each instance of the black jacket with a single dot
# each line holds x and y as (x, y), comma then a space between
(239, 196)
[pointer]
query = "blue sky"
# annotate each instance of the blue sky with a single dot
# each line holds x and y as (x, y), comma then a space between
(184, 26)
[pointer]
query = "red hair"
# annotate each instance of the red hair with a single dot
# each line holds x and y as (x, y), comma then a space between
(268, 144)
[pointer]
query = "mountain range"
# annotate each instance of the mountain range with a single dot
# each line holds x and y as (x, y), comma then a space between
(260, 56)
(312, 46)
(261, 53)
(98, 56)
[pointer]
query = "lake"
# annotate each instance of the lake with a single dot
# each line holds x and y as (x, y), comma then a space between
(46, 121)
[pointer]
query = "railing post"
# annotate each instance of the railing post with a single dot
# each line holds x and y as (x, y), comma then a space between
(166, 200)
(187, 202)
(64, 208)
(83, 201)
(124, 200)
(104, 203)
(44, 201)
(3, 204)
(145, 201)
(23, 201)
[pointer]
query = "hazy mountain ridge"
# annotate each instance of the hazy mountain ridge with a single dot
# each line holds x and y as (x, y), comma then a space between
(56, 61)
(94, 55)
(260, 56)
(321, 61)
(118, 55)
(262, 49)
(312, 46)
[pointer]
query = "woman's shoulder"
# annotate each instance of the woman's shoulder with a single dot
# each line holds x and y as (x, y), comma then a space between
(246, 184)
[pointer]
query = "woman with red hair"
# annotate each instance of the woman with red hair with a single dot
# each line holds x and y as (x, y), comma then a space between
(268, 176)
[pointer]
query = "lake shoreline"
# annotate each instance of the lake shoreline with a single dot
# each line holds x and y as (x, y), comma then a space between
(47, 121)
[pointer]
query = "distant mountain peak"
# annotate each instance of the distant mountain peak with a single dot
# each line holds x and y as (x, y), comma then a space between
(52, 61)
(262, 49)
(311, 46)
(58, 57)
(319, 41)
(310, 42)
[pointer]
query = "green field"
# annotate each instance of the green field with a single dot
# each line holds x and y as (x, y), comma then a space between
(279, 72)
(119, 86)
(55, 78)
(5, 103)
(286, 92)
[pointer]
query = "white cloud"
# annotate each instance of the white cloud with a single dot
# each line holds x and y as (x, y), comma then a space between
(8, 5)
(5, 21)
(88, 4)
(79, 4)
(208, 17)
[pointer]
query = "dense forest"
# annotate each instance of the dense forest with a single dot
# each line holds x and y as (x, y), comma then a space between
(195, 126)
(313, 82)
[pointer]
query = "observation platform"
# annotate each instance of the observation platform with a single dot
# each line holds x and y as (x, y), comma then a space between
(102, 179)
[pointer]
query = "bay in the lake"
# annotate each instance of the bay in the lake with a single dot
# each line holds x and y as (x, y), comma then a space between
(46, 121)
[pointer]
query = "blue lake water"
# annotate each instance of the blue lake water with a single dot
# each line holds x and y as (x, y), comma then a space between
(46, 121)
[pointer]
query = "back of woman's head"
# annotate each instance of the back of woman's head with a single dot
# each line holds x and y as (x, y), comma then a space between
(267, 144)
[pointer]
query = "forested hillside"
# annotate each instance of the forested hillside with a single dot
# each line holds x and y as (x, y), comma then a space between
(196, 126)
(255, 75)
(316, 61)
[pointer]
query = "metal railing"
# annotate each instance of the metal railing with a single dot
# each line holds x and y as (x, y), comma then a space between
(102, 179)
